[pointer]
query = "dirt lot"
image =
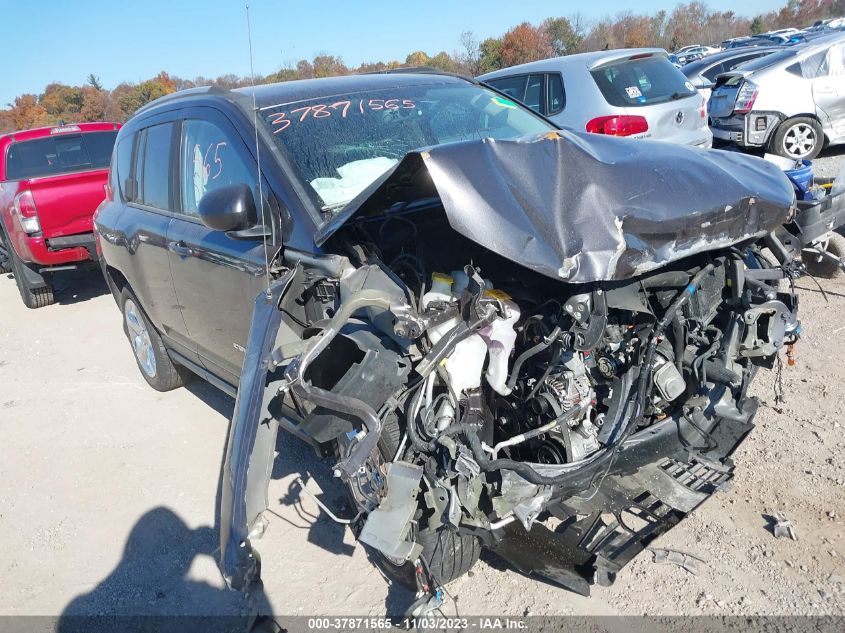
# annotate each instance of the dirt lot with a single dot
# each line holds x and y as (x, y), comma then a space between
(107, 493)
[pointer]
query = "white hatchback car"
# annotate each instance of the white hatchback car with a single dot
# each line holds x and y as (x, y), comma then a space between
(634, 92)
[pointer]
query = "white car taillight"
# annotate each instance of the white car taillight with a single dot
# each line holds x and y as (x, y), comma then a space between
(745, 97)
(27, 213)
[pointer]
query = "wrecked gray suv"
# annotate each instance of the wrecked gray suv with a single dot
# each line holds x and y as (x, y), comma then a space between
(504, 335)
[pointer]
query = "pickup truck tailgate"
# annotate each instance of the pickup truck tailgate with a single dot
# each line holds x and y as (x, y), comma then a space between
(66, 203)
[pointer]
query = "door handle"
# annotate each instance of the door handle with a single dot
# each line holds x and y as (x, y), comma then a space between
(180, 248)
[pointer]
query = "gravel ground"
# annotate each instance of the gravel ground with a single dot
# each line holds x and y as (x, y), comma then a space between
(107, 493)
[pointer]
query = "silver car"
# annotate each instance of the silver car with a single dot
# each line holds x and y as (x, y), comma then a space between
(633, 92)
(791, 102)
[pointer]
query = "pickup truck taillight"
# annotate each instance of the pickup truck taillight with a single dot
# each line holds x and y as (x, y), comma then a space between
(618, 125)
(745, 97)
(27, 213)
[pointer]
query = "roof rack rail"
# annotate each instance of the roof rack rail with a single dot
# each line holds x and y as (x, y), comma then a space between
(174, 96)
(421, 70)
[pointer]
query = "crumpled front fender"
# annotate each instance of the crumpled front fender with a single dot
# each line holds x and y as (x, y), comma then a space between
(250, 447)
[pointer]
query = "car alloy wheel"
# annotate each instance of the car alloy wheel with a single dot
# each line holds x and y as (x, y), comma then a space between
(800, 140)
(140, 339)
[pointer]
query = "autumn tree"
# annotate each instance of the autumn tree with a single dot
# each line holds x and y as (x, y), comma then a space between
(524, 43)
(328, 66)
(416, 59)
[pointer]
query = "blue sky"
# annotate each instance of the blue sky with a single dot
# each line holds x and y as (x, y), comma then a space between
(131, 40)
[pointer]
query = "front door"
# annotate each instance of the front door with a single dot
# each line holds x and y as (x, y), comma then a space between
(216, 276)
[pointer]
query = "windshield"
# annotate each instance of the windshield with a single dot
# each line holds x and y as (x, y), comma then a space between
(341, 144)
(60, 154)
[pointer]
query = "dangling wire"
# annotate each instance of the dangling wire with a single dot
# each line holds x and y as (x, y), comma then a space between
(258, 150)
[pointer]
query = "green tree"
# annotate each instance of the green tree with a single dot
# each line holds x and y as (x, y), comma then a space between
(490, 55)
(561, 36)
(757, 25)
(443, 61)
(94, 81)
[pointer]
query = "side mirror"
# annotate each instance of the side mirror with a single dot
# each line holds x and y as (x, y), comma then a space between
(229, 208)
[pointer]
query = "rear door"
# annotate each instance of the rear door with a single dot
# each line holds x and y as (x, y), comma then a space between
(150, 195)
(648, 85)
(829, 90)
(66, 173)
(216, 276)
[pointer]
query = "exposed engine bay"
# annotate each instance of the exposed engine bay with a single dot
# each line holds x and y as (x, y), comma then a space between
(464, 396)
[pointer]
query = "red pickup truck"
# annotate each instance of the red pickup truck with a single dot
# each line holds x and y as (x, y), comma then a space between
(52, 180)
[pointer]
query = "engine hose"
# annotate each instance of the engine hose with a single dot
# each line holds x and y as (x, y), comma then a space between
(556, 354)
(531, 351)
(679, 343)
(681, 300)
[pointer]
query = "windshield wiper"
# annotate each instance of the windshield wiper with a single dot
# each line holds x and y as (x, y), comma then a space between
(680, 95)
(329, 210)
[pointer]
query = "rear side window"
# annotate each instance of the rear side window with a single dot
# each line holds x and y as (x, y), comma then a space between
(815, 65)
(641, 82)
(514, 87)
(527, 89)
(555, 96)
(710, 73)
(60, 154)
(121, 178)
(153, 167)
(534, 92)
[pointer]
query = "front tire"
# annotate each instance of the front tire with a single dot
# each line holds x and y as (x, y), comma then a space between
(33, 296)
(799, 138)
(447, 553)
(161, 373)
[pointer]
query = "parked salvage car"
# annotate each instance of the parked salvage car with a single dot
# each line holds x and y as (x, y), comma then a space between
(791, 102)
(51, 181)
(702, 73)
(629, 92)
(483, 320)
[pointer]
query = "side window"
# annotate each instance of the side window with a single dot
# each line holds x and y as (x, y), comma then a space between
(153, 167)
(710, 73)
(534, 92)
(555, 96)
(815, 65)
(209, 161)
(514, 87)
(122, 181)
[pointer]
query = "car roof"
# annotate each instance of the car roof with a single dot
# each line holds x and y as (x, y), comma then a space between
(56, 130)
(693, 68)
(268, 95)
(590, 60)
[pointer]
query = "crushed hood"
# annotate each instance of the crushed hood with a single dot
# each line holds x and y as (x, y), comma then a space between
(586, 208)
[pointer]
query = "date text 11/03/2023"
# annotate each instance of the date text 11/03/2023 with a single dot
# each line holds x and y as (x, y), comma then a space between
(438, 623)
(280, 121)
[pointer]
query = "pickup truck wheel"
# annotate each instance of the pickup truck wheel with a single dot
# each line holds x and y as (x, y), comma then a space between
(161, 373)
(798, 138)
(447, 553)
(33, 296)
(5, 264)
(819, 266)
